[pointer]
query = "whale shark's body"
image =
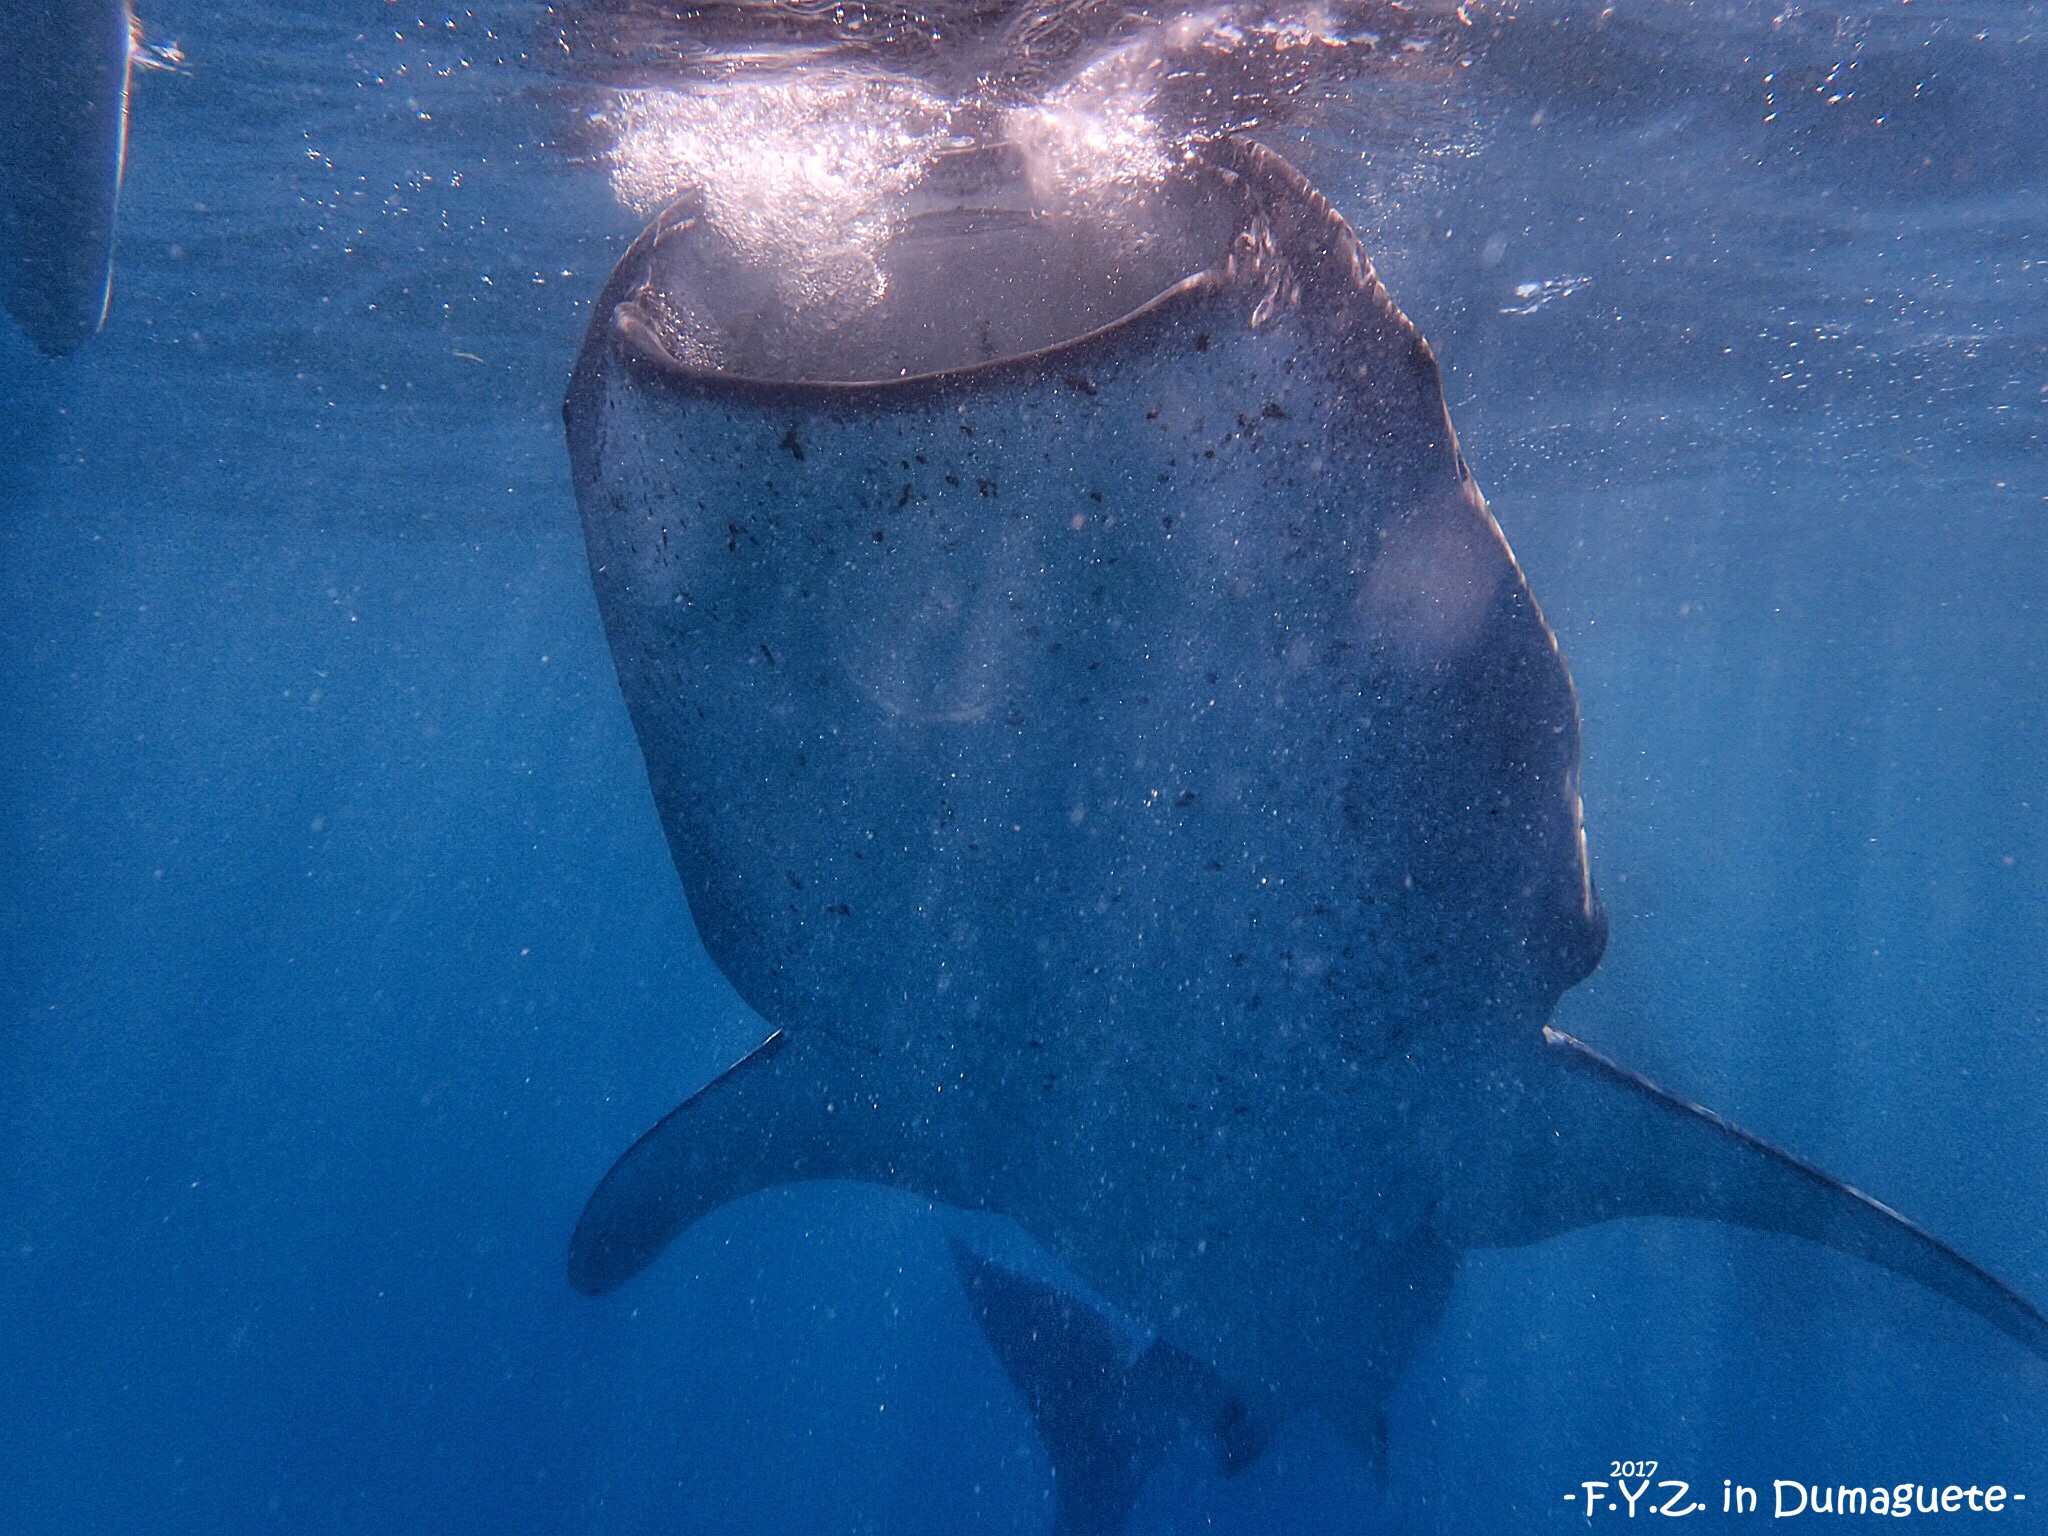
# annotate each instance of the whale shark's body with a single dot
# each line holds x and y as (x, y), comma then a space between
(1096, 717)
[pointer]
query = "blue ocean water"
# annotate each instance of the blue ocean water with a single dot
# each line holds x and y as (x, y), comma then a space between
(343, 953)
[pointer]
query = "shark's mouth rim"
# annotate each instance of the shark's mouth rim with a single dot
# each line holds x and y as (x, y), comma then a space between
(639, 342)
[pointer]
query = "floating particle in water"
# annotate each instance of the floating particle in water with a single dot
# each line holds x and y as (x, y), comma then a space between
(1532, 296)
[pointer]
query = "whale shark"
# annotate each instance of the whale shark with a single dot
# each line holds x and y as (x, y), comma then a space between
(63, 146)
(1100, 726)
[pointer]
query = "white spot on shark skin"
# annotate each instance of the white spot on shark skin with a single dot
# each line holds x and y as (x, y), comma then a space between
(933, 663)
(1429, 589)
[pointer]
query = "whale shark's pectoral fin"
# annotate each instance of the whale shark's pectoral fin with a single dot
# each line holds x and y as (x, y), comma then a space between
(788, 1111)
(1108, 1402)
(1629, 1148)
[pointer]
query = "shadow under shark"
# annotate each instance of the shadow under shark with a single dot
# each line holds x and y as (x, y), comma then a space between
(1095, 716)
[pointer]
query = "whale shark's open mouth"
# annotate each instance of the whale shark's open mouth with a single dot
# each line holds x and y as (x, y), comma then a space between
(984, 258)
(850, 204)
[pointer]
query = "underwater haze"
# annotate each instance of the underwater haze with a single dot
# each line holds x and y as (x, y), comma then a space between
(343, 952)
